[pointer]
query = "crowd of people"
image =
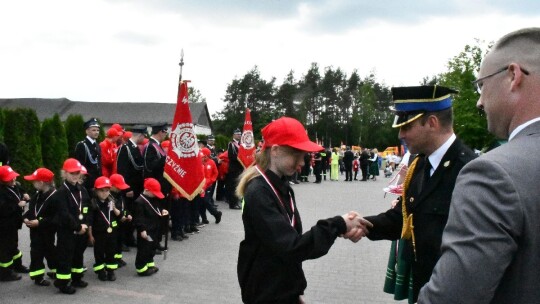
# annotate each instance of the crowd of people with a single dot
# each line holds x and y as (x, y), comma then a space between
(112, 196)
(361, 165)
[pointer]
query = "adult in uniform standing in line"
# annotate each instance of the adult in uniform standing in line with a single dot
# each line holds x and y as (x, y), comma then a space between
(88, 153)
(420, 215)
(326, 154)
(130, 164)
(235, 169)
(348, 158)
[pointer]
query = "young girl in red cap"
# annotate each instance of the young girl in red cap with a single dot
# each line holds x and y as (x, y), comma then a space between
(40, 219)
(103, 229)
(12, 203)
(118, 185)
(73, 202)
(271, 255)
(147, 218)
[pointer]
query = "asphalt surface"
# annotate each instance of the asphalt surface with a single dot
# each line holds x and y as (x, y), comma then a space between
(202, 269)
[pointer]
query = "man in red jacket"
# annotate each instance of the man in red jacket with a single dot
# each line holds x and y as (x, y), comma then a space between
(108, 152)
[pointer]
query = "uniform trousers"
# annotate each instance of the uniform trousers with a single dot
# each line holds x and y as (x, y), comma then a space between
(70, 248)
(105, 249)
(42, 247)
(146, 251)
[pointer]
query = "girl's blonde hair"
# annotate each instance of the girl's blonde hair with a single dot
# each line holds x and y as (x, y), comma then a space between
(262, 159)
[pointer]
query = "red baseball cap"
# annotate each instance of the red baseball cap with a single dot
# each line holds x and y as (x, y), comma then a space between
(152, 185)
(118, 127)
(7, 174)
(72, 165)
(287, 131)
(84, 171)
(206, 152)
(127, 135)
(102, 182)
(113, 133)
(165, 144)
(41, 174)
(118, 181)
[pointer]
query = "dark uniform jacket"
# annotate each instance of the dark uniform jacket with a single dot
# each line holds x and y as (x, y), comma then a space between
(154, 164)
(429, 204)
(101, 213)
(235, 168)
(348, 158)
(146, 216)
(119, 202)
(10, 212)
(89, 155)
(71, 201)
(41, 209)
(130, 165)
(271, 255)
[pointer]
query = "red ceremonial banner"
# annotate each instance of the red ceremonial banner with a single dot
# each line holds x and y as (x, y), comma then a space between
(183, 167)
(246, 152)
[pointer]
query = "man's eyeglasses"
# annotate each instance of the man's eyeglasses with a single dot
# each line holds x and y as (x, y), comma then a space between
(479, 83)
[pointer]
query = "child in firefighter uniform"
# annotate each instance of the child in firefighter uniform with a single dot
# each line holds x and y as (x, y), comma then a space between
(73, 203)
(12, 202)
(103, 230)
(147, 218)
(40, 220)
(118, 185)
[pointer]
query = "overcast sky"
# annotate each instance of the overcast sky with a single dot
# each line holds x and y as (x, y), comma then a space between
(128, 50)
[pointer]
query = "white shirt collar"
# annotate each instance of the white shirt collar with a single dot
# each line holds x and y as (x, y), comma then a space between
(521, 127)
(92, 141)
(436, 157)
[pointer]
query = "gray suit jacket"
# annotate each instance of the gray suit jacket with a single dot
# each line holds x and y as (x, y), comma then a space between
(491, 243)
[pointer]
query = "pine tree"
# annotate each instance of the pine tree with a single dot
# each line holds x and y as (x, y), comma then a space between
(54, 146)
(74, 126)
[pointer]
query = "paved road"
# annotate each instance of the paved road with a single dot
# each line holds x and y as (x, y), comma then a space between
(203, 268)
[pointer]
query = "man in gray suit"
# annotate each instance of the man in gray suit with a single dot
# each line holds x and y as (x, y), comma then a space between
(491, 244)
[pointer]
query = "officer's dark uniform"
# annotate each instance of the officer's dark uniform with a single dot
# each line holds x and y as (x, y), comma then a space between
(72, 201)
(10, 222)
(146, 217)
(154, 160)
(104, 225)
(235, 169)
(130, 164)
(89, 155)
(42, 237)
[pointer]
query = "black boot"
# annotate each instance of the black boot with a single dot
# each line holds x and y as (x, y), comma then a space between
(40, 281)
(79, 283)
(7, 274)
(102, 275)
(110, 275)
(19, 267)
(64, 286)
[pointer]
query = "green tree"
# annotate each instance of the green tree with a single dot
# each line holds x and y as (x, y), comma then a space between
(74, 126)
(54, 146)
(469, 124)
(286, 96)
(21, 135)
(195, 95)
(250, 91)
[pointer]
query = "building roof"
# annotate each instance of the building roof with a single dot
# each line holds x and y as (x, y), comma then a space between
(125, 113)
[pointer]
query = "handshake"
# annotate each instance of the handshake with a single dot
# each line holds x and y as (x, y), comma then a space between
(357, 226)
